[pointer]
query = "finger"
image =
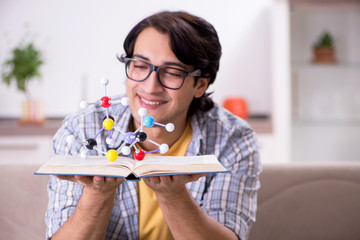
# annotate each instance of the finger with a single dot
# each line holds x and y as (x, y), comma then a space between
(196, 177)
(119, 180)
(99, 179)
(110, 180)
(83, 180)
(165, 179)
(66, 177)
(154, 180)
(189, 177)
(146, 180)
(116, 180)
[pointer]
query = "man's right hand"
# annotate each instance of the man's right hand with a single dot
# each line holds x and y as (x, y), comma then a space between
(94, 183)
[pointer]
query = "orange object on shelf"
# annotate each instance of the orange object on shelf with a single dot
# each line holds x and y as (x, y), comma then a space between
(237, 106)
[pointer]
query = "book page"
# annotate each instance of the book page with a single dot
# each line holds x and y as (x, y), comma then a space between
(185, 160)
(90, 166)
(164, 165)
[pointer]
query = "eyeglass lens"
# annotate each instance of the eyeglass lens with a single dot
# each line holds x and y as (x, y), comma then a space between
(168, 77)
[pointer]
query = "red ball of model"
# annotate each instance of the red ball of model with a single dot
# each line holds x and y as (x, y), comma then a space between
(139, 154)
(105, 102)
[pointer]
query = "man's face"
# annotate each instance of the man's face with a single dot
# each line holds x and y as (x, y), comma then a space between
(165, 105)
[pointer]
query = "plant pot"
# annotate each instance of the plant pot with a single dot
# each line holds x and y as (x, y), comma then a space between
(32, 113)
(237, 106)
(324, 55)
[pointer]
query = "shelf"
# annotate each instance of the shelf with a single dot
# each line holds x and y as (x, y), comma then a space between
(11, 127)
(261, 125)
(326, 122)
(327, 66)
(311, 4)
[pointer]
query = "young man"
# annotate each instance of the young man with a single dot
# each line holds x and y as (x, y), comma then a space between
(170, 60)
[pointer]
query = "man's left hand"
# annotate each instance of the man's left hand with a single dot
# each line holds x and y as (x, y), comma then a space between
(173, 184)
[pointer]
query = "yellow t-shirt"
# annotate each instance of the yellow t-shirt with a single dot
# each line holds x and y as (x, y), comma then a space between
(152, 224)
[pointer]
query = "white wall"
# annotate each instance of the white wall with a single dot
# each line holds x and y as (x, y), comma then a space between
(79, 40)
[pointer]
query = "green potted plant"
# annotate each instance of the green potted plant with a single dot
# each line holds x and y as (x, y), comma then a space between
(22, 67)
(324, 51)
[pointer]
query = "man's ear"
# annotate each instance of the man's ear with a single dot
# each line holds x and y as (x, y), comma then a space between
(201, 86)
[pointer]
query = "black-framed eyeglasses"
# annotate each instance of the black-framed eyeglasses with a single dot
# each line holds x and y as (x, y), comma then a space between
(169, 77)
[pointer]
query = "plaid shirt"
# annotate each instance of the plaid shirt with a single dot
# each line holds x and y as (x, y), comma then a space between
(229, 198)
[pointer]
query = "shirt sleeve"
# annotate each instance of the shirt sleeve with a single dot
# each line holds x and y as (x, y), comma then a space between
(231, 198)
(63, 195)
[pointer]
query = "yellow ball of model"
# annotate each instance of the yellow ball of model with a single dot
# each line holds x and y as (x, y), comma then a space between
(112, 155)
(108, 124)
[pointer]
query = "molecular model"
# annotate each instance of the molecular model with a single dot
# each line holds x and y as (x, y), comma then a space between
(130, 138)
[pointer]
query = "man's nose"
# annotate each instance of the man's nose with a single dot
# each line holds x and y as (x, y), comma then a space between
(152, 84)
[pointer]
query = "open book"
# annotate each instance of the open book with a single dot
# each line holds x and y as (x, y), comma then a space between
(128, 168)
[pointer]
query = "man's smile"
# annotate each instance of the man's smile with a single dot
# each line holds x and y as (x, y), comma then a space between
(150, 102)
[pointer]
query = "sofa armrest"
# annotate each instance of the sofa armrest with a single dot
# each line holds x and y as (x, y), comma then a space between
(23, 202)
(308, 201)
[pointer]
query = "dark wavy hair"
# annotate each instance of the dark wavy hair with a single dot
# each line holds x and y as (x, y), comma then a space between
(193, 40)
